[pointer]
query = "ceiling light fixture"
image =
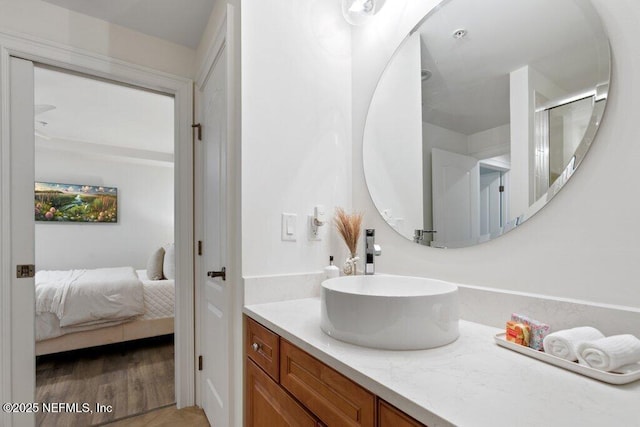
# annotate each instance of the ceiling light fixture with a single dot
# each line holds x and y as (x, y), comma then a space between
(357, 12)
(458, 34)
(361, 6)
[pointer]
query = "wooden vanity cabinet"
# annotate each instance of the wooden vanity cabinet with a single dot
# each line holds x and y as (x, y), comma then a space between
(263, 347)
(334, 398)
(268, 405)
(389, 416)
(286, 386)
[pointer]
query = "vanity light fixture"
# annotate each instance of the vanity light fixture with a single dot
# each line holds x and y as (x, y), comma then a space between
(357, 12)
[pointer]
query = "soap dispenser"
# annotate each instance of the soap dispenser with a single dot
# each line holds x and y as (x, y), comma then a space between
(331, 270)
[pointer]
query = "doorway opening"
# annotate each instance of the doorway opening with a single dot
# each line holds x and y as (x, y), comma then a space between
(493, 201)
(104, 241)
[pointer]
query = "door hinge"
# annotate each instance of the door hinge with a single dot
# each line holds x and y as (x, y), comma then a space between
(199, 363)
(501, 189)
(200, 247)
(24, 271)
(199, 127)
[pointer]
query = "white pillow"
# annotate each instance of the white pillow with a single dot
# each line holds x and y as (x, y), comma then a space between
(169, 263)
(154, 264)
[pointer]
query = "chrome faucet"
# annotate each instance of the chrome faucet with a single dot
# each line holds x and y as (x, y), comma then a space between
(371, 250)
(419, 235)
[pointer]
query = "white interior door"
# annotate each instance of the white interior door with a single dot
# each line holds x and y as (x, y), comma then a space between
(456, 198)
(490, 201)
(214, 293)
(23, 379)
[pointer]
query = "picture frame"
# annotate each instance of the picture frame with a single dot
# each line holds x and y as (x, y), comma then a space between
(59, 202)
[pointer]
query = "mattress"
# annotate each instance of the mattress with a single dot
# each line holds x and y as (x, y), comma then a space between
(159, 297)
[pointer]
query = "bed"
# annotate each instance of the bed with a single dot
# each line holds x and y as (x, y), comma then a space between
(85, 308)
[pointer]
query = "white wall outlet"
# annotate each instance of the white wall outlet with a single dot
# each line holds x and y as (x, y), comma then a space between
(312, 229)
(319, 215)
(289, 227)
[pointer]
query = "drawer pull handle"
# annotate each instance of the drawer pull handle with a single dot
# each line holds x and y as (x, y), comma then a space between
(255, 346)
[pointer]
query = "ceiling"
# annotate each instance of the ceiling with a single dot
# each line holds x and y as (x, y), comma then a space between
(108, 119)
(178, 21)
(95, 114)
(468, 91)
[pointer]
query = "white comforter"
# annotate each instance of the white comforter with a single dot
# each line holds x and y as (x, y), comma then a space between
(87, 297)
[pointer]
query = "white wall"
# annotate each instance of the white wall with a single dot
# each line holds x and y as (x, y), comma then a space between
(489, 143)
(557, 252)
(145, 213)
(54, 23)
(522, 109)
(394, 142)
(296, 130)
(216, 19)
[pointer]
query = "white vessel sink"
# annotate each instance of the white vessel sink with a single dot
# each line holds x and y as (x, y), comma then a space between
(390, 312)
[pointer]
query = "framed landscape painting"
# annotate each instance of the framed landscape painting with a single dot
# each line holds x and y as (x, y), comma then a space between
(56, 202)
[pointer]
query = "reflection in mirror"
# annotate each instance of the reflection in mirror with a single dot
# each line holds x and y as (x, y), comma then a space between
(482, 115)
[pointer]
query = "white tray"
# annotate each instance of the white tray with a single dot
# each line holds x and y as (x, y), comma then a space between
(630, 372)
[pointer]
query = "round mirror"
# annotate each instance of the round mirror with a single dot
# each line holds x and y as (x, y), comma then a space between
(482, 114)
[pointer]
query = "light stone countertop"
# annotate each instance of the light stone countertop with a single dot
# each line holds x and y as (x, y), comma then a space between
(472, 382)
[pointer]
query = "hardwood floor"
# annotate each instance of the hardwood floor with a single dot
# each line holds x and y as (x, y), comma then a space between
(166, 417)
(132, 378)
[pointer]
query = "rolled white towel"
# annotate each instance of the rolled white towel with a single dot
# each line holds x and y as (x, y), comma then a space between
(563, 343)
(610, 353)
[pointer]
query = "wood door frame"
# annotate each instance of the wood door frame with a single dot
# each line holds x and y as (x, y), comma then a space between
(227, 37)
(66, 57)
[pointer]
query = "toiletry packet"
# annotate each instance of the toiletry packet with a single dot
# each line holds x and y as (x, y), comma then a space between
(538, 331)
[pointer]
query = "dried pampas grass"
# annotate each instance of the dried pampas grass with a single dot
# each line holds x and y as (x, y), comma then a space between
(349, 225)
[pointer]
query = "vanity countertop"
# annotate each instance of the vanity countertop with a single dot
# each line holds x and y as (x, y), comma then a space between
(471, 382)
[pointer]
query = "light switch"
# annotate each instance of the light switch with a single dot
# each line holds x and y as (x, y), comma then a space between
(289, 227)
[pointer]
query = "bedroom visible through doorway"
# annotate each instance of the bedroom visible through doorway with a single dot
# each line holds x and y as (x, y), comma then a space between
(104, 243)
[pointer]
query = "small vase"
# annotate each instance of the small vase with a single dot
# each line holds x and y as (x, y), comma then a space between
(350, 266)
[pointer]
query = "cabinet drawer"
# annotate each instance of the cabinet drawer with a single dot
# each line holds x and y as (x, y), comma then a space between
(268, 405)
(261, 345)
(333, 398)
(389, 416)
